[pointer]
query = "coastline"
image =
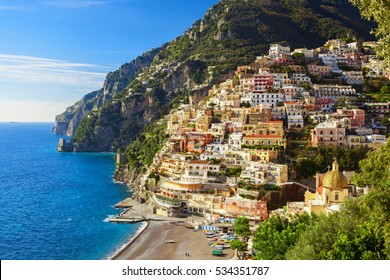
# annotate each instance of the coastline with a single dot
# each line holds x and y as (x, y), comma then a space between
(149, 241)
(126, 246)
(185, 244)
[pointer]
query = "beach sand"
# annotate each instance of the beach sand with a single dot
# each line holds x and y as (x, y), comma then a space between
(149, 245)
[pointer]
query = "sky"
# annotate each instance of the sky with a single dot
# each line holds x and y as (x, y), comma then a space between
(53, 52)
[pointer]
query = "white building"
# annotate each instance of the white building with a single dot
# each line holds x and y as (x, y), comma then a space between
(276, 51)
(235, 141)
(301, 78)
(333, 91)
(272, 98)
(198, 171)
(329, 60)
(294, 115)
(353, 77)
(215, 151)
(265, 173)
(307, 53)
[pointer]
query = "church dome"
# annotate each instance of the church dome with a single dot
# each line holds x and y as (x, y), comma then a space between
(335, 178)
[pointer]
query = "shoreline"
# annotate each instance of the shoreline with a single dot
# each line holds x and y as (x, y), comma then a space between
(184, 244)
(149, 243)
(126, 245)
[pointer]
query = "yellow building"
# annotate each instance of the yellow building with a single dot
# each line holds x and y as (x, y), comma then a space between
(266, 155)
(264, 140)
(203, 123)
(270, 127)
(264, 128)
(332, 190)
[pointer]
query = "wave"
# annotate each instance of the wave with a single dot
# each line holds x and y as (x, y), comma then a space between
(126, 244)
(108, 218)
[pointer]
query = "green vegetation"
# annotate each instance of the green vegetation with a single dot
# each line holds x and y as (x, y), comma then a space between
(377, 88)
(378, 11)
(197, 71)
(149, 141)
(232, 33)
(361, 230)
(167, 199)
(155, 176)
(234, 171)
(271, 188)
(85, 131)
(260, 147)
(277, 235)
(241, 227)
(312, 160)
(248, 196)
(299, 58)
(238, 245)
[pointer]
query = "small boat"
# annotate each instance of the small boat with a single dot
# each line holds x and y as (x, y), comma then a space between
(217, 253)
(168, 241)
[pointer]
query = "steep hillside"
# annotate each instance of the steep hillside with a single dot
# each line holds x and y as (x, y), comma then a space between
(67, 122)
(231, 33)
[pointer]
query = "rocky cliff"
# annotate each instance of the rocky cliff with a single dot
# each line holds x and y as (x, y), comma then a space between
(231, 33)
(67, 122)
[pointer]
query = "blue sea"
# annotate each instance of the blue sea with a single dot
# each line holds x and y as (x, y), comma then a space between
(54, 206)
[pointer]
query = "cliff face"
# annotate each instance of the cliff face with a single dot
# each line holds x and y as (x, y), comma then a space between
(67, 122)
(231, 33)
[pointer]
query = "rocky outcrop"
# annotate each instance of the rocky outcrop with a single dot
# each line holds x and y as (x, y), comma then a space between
(64, 146)
(115, 82)
(133, 178)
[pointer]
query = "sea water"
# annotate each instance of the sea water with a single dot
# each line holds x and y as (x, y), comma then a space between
(56, 205)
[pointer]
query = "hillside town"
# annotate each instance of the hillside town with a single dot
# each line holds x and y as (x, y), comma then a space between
(227, 157)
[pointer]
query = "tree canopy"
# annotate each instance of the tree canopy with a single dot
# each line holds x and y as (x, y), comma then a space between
(361, 230)
(379, 11)
(241, 227)
(277, 235)
(238, 245)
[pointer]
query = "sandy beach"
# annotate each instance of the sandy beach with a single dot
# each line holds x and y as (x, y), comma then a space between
(149, 245)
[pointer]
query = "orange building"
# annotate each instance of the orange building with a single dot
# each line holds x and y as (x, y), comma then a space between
(253, 209)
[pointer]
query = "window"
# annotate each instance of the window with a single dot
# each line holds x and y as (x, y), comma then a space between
(336, 196)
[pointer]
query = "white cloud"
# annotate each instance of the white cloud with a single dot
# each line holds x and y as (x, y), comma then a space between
(35, 70)
(10, 8)
(38, 89)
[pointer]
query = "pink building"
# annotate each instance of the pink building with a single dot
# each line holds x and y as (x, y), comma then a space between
(329, 133)
(357, 116)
